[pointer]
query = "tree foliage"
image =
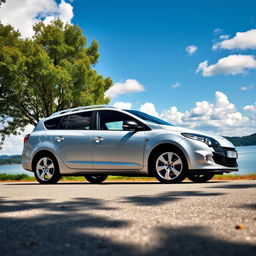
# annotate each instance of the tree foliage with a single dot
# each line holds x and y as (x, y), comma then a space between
(49, 72)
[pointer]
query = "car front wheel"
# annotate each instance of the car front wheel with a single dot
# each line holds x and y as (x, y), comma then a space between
(96, 179)
(169, 166)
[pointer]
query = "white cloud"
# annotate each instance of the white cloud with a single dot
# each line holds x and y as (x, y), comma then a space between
(191, 49)
(123, 105)
(220, 116)
(246, 88)
(176, 85)
(14, 143)
(250, 108)
(149, 108)
(173, 116)
(224, 36)
(242, 40)
(230, 65)
(24, 14)
(217, 30)
(129, 86)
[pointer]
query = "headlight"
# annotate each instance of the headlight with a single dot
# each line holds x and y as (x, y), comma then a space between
(207, 140)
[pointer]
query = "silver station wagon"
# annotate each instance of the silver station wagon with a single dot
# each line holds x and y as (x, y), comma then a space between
(98, 141)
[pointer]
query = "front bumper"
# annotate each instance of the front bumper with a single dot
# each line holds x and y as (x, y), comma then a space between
(220, 156)
(204, 159)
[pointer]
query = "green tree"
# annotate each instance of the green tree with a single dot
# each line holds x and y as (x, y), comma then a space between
(49, 72)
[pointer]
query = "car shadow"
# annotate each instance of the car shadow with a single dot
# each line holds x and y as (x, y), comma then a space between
(248, 206)
(237, 186)
(166, 197)
(108, 183)
(64, 229)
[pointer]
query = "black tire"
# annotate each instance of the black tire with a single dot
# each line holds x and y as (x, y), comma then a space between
(171, 172)
(49, 173)
(200, 178)
(96, 179)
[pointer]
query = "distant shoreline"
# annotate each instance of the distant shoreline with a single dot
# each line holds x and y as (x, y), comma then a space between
(10, 164)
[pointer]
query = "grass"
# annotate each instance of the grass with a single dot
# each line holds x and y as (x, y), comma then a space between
(25, 177)
(21, 177)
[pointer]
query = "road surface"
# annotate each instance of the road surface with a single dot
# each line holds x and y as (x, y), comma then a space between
(128, 218)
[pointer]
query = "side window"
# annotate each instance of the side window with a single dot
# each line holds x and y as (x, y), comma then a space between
(64, 123)
(52, 124)
(112, 120)
(79, 121)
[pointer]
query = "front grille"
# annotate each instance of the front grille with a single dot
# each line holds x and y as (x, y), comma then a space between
(220, 157)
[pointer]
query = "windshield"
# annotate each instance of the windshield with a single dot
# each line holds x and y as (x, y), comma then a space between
(148, 118)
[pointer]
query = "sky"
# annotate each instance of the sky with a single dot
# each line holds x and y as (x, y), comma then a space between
(191, 63)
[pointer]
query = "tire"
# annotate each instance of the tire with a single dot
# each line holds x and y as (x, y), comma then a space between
(46, 169)
(96, 179)
(168, 165)
(200, 178)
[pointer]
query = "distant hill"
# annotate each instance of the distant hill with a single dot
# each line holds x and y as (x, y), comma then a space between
(244, 140)
(5, 156)
(14, 159)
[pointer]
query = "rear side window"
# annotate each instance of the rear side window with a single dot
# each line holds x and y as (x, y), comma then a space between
(64, 123)
(79, 121)
(53, 123)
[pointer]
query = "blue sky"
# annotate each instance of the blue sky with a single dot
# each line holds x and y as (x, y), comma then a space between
(146, 41)
(143, 49)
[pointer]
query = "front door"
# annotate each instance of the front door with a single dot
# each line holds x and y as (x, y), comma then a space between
(114, 147)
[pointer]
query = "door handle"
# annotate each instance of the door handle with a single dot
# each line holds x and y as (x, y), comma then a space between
(59, 138)
(98, 139)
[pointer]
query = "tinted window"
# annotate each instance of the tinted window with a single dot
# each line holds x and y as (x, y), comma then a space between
(79, 121)
(148, 118)
(64, 122)
(53, 123)
(112, 120)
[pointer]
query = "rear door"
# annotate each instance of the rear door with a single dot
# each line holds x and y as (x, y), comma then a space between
(72, 140)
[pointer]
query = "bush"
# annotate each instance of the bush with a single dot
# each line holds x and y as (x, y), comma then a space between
(5, 176)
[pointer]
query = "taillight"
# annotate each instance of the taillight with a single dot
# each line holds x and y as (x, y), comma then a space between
(26, 138)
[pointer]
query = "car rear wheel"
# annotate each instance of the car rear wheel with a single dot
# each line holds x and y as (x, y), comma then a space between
(200, 177)
(96, 179)
(169, 166)
(46, 169)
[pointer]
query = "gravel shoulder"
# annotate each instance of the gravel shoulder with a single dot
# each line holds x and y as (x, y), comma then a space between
(128, 218)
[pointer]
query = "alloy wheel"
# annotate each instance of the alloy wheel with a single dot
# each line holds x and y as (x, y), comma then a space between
(45, 169)
(169, 166)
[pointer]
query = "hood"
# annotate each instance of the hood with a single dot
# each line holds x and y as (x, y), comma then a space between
(223, 142)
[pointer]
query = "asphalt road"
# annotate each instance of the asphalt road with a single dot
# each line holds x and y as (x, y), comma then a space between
(136, 218)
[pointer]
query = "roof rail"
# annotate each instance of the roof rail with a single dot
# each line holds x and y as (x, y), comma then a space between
(80, 108)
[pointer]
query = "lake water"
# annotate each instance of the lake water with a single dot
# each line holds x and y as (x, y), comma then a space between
(246, 161)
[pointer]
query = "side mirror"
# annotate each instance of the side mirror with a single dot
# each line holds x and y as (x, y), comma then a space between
(132, 126)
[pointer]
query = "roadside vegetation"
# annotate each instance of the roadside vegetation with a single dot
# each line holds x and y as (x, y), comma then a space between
(25, 177)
